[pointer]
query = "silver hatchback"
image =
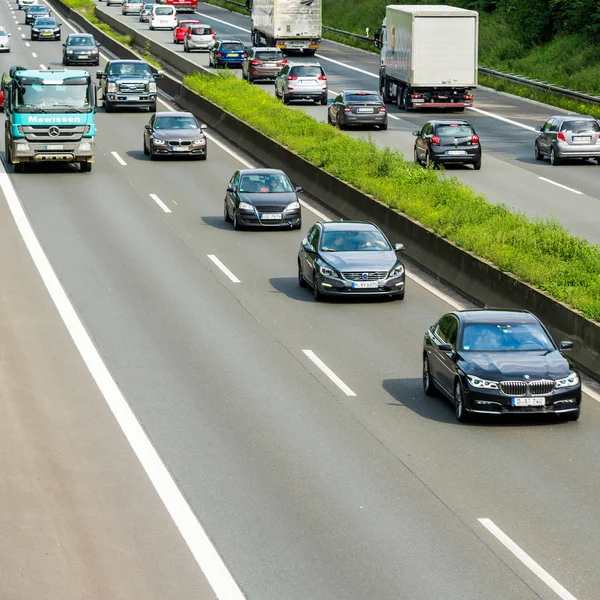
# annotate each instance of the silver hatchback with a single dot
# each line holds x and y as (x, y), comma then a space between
(198, 37)
(563, 137)
(301, 81)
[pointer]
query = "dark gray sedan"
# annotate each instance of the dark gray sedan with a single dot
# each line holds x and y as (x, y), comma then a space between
(346, 258)
(357, 107)
(174, 134)
(563, 137)
(81, 48)
(262, 198)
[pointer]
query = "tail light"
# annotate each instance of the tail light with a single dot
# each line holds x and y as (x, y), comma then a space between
(282, 61)
(382, 109)
(212, 32)
(475, 139)
(245, 54)
(255, 62)
(219, 54)
(416, 95)
(435, 140)
(322, 78)
(347, 109)
(561, 136)
(213, 36)
(189, 35)
(292, 77)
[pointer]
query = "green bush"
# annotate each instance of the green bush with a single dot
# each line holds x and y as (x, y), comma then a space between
(540, 252)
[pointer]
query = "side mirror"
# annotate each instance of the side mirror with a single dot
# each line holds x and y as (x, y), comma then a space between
(400, 247)
(416, 133)
(9, 34)
(445, 348)
(298, 189)
(99, 74)
(148, 127)
(64, 45)
(307, 247)
(566, 345)
(538, 128)
(203, 126)
(230, 189)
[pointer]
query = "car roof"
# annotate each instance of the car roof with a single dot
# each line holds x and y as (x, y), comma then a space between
(128, 60)
(230, 41)
(179, 113)
(199, 24)
(305, 63)
(89, 35)
(266, 48)
(573, 117)
(449, 121)
(348, 226)
(360, 92)
(495, 315)
(261, 172)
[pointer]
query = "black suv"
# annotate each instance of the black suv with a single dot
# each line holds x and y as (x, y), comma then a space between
(447, 141)
(128, 83)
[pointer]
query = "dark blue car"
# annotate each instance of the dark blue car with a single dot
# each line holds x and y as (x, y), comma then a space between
(227, 52)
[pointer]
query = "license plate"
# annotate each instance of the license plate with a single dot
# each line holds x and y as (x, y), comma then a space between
(529, 401)
(47, 34)
(582, 139)
(365, 284)
(417, 100)
(84, 56)
(54, 147)
(232, 54)
(270, 216)
(179, 148)
(456, 152)
(365, 110)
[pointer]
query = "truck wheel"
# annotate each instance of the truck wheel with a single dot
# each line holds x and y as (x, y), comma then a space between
(19, 167)
(152, 107)
(108, 107)
(85, 166)
(383, 90)
(309, 52)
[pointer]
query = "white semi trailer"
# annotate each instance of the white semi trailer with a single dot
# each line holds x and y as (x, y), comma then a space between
(287, 24)
(428, 56)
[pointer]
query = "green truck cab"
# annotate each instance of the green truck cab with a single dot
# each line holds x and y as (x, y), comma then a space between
(49, 117)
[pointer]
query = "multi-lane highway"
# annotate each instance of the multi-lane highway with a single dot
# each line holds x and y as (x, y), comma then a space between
(505, 124)
(297, 432)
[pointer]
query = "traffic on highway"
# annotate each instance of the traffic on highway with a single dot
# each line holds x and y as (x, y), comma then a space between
(288, 446)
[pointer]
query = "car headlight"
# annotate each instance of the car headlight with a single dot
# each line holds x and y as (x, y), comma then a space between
(159, 142)
(293, 206)
(245, 206)
(35, 30)
(94, 51)
(69, 51)
(570, 381)
(328, 271)
(482, 384)
(111, 87)
(152, 87)
(56, 29)
(397, 271)
(199, 142)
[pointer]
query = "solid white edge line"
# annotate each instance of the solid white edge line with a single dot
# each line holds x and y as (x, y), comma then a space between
(510, 121)
(119, 159)
(223, 268)
(588, 391)
(556, 587)
(560, 185)
(430, 288)
(319, 363)
(27, 44)
(197, 540)
(160, 203)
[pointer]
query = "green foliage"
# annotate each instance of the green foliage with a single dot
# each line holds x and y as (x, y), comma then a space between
(539, 252)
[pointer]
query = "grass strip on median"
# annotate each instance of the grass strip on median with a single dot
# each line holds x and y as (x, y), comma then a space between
(538, 251)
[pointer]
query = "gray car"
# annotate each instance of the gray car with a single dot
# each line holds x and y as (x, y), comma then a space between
(350, 258)
(564, 137)
(174, 134)
(146, 12)
(301, 81)
(262, 63)
(357, 107)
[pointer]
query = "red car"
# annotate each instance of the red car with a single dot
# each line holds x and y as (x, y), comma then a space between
(1, 101)
(181, 30)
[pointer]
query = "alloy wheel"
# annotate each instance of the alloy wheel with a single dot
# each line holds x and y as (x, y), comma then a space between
(427, 385)
(459, 403)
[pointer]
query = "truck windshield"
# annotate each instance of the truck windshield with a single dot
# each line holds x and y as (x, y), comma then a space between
(53, 98)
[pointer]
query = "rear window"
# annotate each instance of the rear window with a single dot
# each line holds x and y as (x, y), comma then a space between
(457, 130)
(232, 46)
(362, 98)
(163, 10)
(306, 71)
(580, 126)
(268, 56)
(200, 30)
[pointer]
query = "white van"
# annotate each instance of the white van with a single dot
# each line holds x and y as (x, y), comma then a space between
(163, 17)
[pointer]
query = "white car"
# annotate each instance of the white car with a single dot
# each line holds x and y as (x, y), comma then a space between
(163, 17)
(4, 40)
(23, 3)
(132, 8)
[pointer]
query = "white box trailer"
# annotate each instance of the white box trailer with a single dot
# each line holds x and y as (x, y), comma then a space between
(429, 56)
(287, 24)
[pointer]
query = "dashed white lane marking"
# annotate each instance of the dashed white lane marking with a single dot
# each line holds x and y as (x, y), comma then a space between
(43, 67)
(160, 203)
(34, 55)
(319, 363)
(556, 587)
(191, 530)
(223, 268)
(27, 44)
(119, 159)
(560, 185)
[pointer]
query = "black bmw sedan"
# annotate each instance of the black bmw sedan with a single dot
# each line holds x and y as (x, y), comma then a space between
(350, 258)
(499, 362)
(262, 198)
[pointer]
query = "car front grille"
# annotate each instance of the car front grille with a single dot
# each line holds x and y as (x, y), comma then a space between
(269, 209)
(179, 142)
(364, 275)
(132, 88)
(527, 388)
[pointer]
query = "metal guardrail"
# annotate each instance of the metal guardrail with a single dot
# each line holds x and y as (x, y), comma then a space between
(518, 79)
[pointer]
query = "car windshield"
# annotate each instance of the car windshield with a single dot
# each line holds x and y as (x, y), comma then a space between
(163, 10)
(265, 184)
(175, 123)
(268, 56)
(580, 126)
(354, 241)
(130, 69)
(46, 23)
(306, 71)
(362, 98)
(37, 9)
(454, 130)
(505, 337)
(232, 46)
(80, 40)
(200, 30)
(2, 31)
